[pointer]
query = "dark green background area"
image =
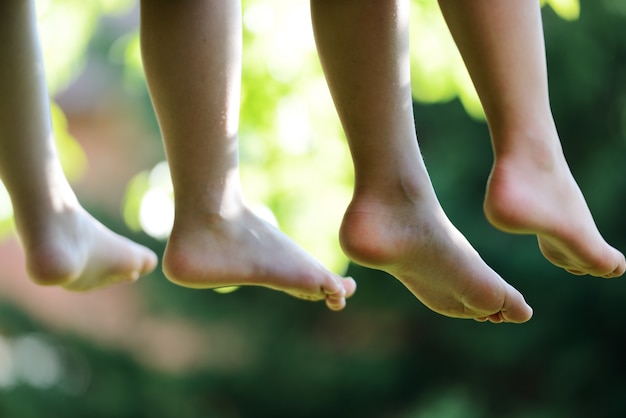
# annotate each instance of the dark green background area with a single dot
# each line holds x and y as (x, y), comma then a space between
(386, 355)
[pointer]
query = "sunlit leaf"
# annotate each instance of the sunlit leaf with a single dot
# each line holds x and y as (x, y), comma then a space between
(135, 191)
(71, 154)
(6, 212)
(64, 44)
(226, 290)
(133, 74)
(438, 73)
(566, 9)
(116, 6)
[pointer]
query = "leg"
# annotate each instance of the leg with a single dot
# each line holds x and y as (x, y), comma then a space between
(395, 222)
(64, 245)
(192, 57)
(531, 189)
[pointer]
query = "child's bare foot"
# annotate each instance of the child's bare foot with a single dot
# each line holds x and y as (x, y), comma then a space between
(532, 191)
(75, 251)
(414, 241)
(242, 249)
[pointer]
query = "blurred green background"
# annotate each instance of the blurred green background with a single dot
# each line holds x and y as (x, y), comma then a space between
(157, 350)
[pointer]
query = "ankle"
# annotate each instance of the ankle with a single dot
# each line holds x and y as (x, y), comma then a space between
(376, 227)
(50, 264)
(523, 184)
(413, 190)
(535, 148)
(54, 248)
(221, 197)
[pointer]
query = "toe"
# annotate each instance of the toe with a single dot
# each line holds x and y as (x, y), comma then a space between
(515, 309)
(496, 318)
(336, 295)
(150, 263)
(349, 284)
(336, 304)
(129, 278)
(620, 269)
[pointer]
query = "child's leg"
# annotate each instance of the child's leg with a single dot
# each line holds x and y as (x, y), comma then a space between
(64, 245)
(192, 56)
(531, 189)
(395, 222)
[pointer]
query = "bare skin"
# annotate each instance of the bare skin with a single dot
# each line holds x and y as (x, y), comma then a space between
(192, 57)
(64, 245)
(70, 248)
(531, 189)
(416, 243)
(394, 222)
(242, 250)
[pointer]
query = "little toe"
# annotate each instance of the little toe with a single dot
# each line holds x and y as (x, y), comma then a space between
(150, 263)
(615, 273)
(496, 318)
(146, 269)
(132, 277)
(620, 269)
(336, 295)
(336, 304)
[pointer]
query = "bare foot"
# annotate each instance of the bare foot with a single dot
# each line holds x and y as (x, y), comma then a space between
(415, 242)
(75, 251)
(535, 193)
(245, 250)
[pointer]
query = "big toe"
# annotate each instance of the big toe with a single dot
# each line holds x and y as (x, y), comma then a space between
(515, 308)
(349, 284)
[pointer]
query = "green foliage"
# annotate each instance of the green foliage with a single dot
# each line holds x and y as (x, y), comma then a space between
(437, 71)
(137, 187)
(72, 157)
(387, 355)
(64, 44)
(6, 212)
(566, 9)
(438, 74)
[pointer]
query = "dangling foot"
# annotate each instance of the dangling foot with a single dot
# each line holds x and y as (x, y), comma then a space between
(242, 249)
(73, 250)
(532, 191)
(413, 240)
